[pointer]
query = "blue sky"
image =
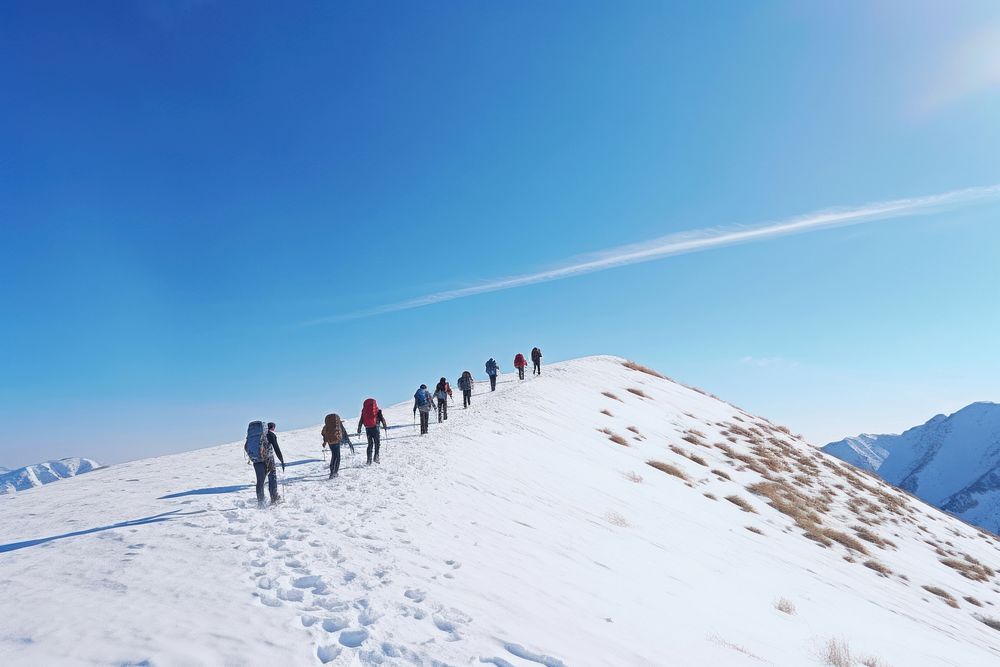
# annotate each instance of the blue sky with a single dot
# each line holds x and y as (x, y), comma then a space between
(196, 197)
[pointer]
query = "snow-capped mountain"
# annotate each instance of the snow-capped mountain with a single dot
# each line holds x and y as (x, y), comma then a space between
(38, 474)
(596, 515)
(951, 462)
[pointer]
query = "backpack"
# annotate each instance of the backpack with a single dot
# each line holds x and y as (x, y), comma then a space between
(257, 447)
(369, 413)
(465, 382)
(491, 367)
(423, 397)
(333, 429)
(519, 361)
(536, 354)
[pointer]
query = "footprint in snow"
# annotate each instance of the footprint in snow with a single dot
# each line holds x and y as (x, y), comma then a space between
(335, 624)
(415, 594)
(328, 653)
(353, 638)
(525, 654)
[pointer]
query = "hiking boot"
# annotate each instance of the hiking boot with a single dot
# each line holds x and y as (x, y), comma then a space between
(376, 460)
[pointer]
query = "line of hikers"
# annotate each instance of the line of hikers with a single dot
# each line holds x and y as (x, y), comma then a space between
(262, 444)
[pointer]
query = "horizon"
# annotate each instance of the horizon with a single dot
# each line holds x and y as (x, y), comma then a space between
(214, 214)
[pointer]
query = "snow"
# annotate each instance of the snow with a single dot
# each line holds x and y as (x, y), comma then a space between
(38, 474)
(952, 462)
(516, 533)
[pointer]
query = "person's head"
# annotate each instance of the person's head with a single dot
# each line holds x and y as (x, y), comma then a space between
(423, 386)
(271, 426)
(443, 381)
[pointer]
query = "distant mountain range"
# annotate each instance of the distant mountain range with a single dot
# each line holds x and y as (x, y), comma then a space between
(39, 474)
(952, 462)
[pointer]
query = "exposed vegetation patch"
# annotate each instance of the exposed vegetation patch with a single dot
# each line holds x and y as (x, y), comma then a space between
(878, 567)
(943, 594)
(614, 437)
(633, 477)
(785, 605)
(607, 412)
(611, 396)
(722, 474)
(992, 622)
(643, 369)
(846, 540)
(668, 468)
(638, 392)
(741, 502)
(754, 529)
(969, 567)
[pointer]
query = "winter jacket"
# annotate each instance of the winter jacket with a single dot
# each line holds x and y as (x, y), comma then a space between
(536, 355)
(491, 367)
(441, 391)
(519, 361)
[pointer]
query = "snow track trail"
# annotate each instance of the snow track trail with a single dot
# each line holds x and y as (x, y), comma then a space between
(596, 515)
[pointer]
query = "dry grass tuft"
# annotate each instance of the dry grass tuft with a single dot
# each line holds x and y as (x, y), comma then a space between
(785, 605)
(710, 496)
(846, 540)
(611, 396)
(638, 392)
(616, 519)
(668, 468)
(633, 429)
(973, 601)
(722, 474)
(643, 369)
(607, 412)
(614, 437)
(878, 567)
(992, 622)
(633, 477)
(837, 653)
(742, 503)
(754, 529)
(943, 594)
(869, 536)
(969, 567)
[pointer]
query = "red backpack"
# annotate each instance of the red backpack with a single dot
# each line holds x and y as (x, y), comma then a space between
(369, 413)
(519, 361)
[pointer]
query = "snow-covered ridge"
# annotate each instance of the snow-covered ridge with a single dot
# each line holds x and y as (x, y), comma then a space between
(38, 474)
(597, 515)
(951, 461)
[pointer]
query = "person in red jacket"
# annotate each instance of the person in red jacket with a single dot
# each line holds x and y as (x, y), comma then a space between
(519, 363)
(370, 418)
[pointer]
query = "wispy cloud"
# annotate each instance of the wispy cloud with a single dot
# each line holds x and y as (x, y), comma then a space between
(695, 241)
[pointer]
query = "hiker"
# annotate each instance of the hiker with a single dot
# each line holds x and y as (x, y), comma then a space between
(441, 392)
(491, 370)
(423, 401)
(519, 364)
(371, 416)
(536, 361)
(261, 447)
(465, 384)
(333, 435)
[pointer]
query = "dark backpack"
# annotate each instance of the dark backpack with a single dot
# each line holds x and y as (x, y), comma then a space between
(491, 367)
(257, 447)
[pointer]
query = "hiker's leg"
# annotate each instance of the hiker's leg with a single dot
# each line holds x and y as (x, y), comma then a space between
(334, 459)
(444, 407)
(260, 469)
(493, 383)
(371, 444)
(272, 483)
(378, 441)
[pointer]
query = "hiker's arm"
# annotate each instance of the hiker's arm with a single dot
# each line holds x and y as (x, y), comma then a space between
(381, 418)
(274, 444)
(361, 421)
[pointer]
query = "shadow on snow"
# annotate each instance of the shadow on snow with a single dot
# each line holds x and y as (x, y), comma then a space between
(156, 518)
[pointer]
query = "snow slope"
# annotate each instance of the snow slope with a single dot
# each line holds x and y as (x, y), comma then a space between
(38, 474)
(952, 462)
(517, 533)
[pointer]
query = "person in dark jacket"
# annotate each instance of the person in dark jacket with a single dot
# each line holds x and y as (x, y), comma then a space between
(441, 394)
(267, 469)
(465, 383)
(371, 417)
(536, 361)
(333, 434)
(424, 402)
(492, 369)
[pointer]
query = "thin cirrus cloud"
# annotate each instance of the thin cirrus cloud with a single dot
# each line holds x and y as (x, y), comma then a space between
(695, 241)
